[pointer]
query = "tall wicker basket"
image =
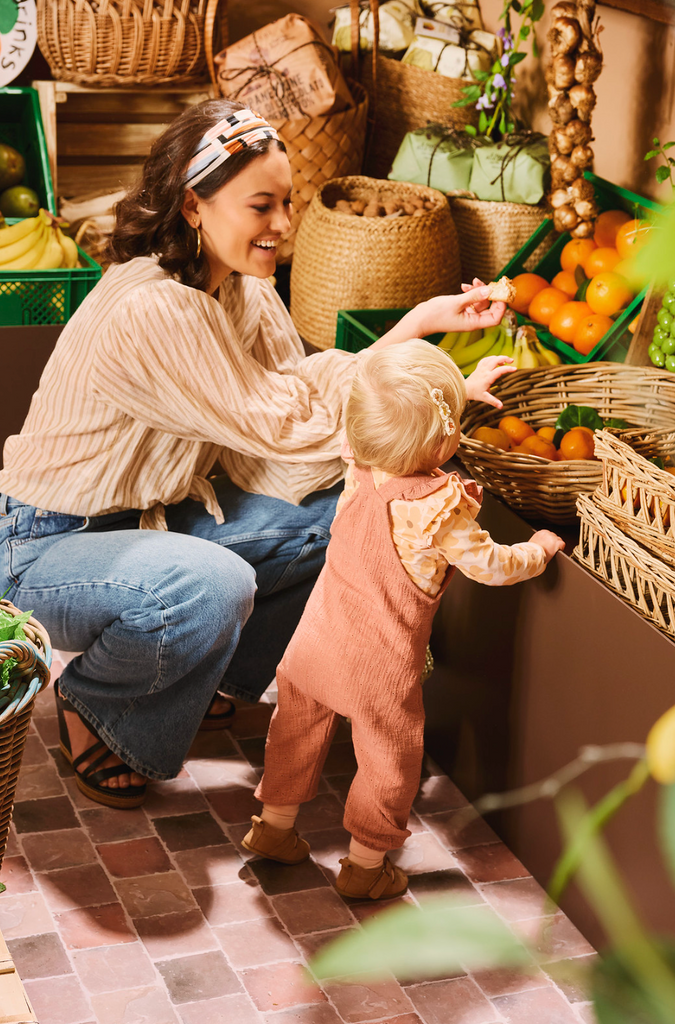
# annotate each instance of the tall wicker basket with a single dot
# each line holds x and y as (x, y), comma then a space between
(345, 262)
(130, 42)
(490, 233)
(27, 678)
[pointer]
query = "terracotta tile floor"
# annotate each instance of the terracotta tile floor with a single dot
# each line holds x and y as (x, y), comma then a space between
(158, 915)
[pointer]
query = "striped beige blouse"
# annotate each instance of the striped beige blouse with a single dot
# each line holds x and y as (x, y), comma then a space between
(152, 382)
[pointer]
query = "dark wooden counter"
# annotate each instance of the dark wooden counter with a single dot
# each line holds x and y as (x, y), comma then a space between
(525, 676)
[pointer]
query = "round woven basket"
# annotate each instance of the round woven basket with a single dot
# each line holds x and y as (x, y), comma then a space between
(549, 490)
(29, 675)
(129, 42)
(321, 148)
(490, 234)
(346, 262)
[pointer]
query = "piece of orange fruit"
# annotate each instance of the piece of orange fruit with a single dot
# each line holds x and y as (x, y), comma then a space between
(600, 260)
(548, 433)
(515, 429)
(494, 436)
(576, 252)
(589, 331)
(578, 443)
(631, 237)
(607, 225)
(564, 321)
(538, 446)
(527, 286)
(608, 293)
(566, 282)
(546, 302)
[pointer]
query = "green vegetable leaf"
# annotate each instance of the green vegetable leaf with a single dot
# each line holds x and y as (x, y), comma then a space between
(617, 996)
(517, 7)
(666, 827)
(502, 123)
(416, 942)
(614, 423)
(668, 145)
(2, 886)
(656, 142)
(578, 416)
(470, 130)
(482, 122)
(479, 75)
(651, 154)
(9, 15)
(658, 462)
(11, 626)
(579, 275)
(535, 46)
(537, 10)
(515, 58)
(580, 293)
(662, 174)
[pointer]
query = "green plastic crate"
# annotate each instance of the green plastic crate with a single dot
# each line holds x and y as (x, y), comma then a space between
(358, 328)
(21, 128)
(37, 297)
(615, 343)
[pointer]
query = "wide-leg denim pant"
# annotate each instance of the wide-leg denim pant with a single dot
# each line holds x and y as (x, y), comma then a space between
(164, 619)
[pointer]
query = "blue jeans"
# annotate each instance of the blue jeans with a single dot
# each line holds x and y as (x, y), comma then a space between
(165, 618)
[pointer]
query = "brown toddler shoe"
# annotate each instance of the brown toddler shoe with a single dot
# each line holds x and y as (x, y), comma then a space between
(282, 844)
(381, 883)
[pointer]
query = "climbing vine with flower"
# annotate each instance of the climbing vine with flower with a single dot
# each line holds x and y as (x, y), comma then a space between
(493, 91)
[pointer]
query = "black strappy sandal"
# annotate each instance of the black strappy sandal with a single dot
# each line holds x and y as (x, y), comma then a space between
(90, 778)
(211, 721)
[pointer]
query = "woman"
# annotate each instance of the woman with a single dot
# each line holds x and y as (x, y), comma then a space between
(111, 526)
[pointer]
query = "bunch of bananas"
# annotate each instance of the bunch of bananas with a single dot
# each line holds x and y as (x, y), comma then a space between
(505, 339)
(36, 243)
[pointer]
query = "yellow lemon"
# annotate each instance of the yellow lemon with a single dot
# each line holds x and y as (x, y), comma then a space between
(661, 748)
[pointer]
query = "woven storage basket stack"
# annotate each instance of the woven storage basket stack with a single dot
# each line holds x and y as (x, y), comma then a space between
(549, 490)
(27, 678)
(349, 262)
(627, 535)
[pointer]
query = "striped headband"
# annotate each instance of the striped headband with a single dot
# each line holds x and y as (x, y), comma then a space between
(229, 136)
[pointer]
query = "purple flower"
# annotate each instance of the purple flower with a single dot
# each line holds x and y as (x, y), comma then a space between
(505, 60)
(484, 103)
(499, 82)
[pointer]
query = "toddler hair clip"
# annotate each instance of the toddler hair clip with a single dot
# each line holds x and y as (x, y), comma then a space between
(444, 411)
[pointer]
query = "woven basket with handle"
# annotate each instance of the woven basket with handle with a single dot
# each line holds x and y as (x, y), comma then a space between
(348, 262)
(490, 233)
(549, 490)
(402, 97)
(130, 42)
(27, 678)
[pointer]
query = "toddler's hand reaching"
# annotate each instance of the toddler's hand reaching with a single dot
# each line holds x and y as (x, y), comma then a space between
(550, 542)
(489, 370)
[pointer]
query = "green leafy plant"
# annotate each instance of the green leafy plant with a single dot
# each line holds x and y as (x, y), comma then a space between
(493, 91)
(665, 171)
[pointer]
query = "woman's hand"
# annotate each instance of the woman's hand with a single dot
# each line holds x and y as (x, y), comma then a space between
(489, 370)
(470, 311)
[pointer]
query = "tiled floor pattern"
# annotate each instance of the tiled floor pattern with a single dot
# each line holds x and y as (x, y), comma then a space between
(158, 915)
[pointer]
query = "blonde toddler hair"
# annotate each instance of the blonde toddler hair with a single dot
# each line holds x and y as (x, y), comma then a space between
(392, 420)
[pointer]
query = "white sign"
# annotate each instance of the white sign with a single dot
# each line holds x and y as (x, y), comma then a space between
(18, 36)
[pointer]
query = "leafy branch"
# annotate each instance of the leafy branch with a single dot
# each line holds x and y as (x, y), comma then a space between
(665, 171)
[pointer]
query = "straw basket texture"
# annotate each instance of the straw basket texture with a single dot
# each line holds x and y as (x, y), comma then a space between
(636, 495)
(346, 262)
(27, 678)
(549, 490)
(129, 42)
(636, 575)
(321, 148)
(490, 233)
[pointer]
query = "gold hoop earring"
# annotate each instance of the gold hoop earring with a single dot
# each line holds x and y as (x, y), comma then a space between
(199, 242)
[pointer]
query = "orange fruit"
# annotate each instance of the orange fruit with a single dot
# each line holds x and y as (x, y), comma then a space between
(527, 286)
(589, 331)
(546, 302)
(608, 293)
(578, 443)
(607, 225)
(576, 252)
(566, 282)
(565, 319)
(605, 258)
(631, 236)
(515, 429)
(491, 435)
(538, 446)
(548, 433)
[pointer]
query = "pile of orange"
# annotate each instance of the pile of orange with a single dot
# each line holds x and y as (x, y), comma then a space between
(582, 324)
(516, 435)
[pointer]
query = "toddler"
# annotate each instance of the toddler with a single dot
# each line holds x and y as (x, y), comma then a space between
(401, 528)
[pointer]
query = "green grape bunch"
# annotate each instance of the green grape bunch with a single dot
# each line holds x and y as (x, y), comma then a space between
(662, 349)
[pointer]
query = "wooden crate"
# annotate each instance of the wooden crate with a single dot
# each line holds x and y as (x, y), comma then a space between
(15, 1006)
(98, 138)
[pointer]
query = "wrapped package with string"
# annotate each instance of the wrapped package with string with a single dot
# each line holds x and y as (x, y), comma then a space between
(515, 170)
(463, 14)
(458, 58)
(437, 156)
(284, 70)
(396, 29)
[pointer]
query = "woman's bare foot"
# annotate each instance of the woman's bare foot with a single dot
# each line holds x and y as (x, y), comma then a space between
(81, 739)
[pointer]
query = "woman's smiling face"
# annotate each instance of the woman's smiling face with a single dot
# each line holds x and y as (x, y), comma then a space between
(243, 222)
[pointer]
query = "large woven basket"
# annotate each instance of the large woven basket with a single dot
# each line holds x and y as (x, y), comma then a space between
(548, 490)
(130, 42)
(27, 678)
(491, 233)
(639, 577)
(402, 97)
(321, 148)
(346, 262)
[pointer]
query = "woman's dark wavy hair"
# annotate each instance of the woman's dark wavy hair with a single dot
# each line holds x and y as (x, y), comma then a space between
(149, 220)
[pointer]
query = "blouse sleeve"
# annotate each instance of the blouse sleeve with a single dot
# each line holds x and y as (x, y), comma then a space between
(171, 359)
(474, 552)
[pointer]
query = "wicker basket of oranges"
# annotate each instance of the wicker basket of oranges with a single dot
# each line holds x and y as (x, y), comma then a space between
(530, 475)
